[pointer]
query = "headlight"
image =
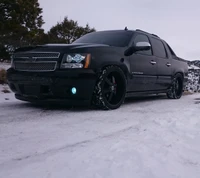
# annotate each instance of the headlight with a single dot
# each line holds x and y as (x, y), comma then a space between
(75, 61)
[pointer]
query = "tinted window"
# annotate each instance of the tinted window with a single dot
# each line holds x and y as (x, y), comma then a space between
(111, 38)
(142, 38)
(158, 48)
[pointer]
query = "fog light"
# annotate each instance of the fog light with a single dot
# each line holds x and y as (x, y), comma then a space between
(73, 90)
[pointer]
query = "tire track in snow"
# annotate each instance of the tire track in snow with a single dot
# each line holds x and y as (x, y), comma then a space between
(78, 145)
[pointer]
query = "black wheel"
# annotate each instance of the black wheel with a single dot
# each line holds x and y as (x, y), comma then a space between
(110, 90)
(176, 89)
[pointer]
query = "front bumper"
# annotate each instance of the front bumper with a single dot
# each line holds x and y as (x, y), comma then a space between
(53, 86)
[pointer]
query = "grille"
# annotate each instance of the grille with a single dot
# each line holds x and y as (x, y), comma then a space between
(35, 66)
(37, 55)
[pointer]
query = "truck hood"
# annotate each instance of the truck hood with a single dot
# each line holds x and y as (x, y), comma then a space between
(58, 47)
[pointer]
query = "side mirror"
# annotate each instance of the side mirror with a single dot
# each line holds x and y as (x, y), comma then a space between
(140, 46)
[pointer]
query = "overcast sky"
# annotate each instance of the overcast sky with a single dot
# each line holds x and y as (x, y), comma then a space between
(176, 21)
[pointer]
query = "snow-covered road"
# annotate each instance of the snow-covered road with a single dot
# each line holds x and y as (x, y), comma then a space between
(149, 137)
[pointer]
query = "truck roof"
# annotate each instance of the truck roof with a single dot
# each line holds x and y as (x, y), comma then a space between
(126, 30)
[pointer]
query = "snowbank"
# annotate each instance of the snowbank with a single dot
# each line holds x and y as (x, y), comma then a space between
(193, 84)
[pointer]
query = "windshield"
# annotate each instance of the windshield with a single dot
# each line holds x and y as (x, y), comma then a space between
(111, 38)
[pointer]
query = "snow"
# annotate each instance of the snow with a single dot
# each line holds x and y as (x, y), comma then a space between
(193, 84)
(193, 67)
(151, 137)
(4, 65)
(5, 97)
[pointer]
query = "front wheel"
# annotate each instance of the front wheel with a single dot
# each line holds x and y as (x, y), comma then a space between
(110, 90)
(176, 89)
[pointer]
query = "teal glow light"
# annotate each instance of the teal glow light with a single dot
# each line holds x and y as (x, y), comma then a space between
(73, 90)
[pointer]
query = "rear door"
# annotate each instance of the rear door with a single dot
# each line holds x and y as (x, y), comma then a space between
(164, 63)
(143, 67)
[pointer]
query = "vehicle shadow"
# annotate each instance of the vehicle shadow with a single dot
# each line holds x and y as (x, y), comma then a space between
(62, 107)
(140, 99)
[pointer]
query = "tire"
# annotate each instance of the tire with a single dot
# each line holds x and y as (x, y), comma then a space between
(176, 89)
(110, 89)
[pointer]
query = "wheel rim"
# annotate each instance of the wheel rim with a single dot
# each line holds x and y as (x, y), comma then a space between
(113, 88)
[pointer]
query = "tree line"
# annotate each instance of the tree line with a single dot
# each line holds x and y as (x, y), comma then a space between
(21, 24)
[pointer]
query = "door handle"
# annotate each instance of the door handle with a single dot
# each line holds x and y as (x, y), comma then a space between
(153, 62)
(168, 64)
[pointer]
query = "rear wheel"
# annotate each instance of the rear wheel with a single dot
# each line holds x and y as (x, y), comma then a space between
(110, 90)
(176, 89)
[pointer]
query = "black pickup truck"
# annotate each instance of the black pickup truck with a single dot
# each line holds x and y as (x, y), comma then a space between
(100, 68)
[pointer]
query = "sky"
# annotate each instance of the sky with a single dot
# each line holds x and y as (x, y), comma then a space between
(175, 21)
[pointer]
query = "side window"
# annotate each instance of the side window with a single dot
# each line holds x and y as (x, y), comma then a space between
(142, 38)
(171, 51)
(158, 48)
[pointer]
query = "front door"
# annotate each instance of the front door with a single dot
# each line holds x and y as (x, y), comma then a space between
(143, 67)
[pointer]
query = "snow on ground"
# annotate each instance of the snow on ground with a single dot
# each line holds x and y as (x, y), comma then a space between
(150, 137)
(4, 65)
(5, 97)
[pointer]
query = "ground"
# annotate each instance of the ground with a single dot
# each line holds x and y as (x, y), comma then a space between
(151, 137)
(4, 65)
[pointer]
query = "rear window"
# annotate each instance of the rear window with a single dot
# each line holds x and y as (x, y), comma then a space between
(158, 48)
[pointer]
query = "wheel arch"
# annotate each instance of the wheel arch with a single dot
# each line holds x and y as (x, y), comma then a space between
(122, 66)
(181, 73)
